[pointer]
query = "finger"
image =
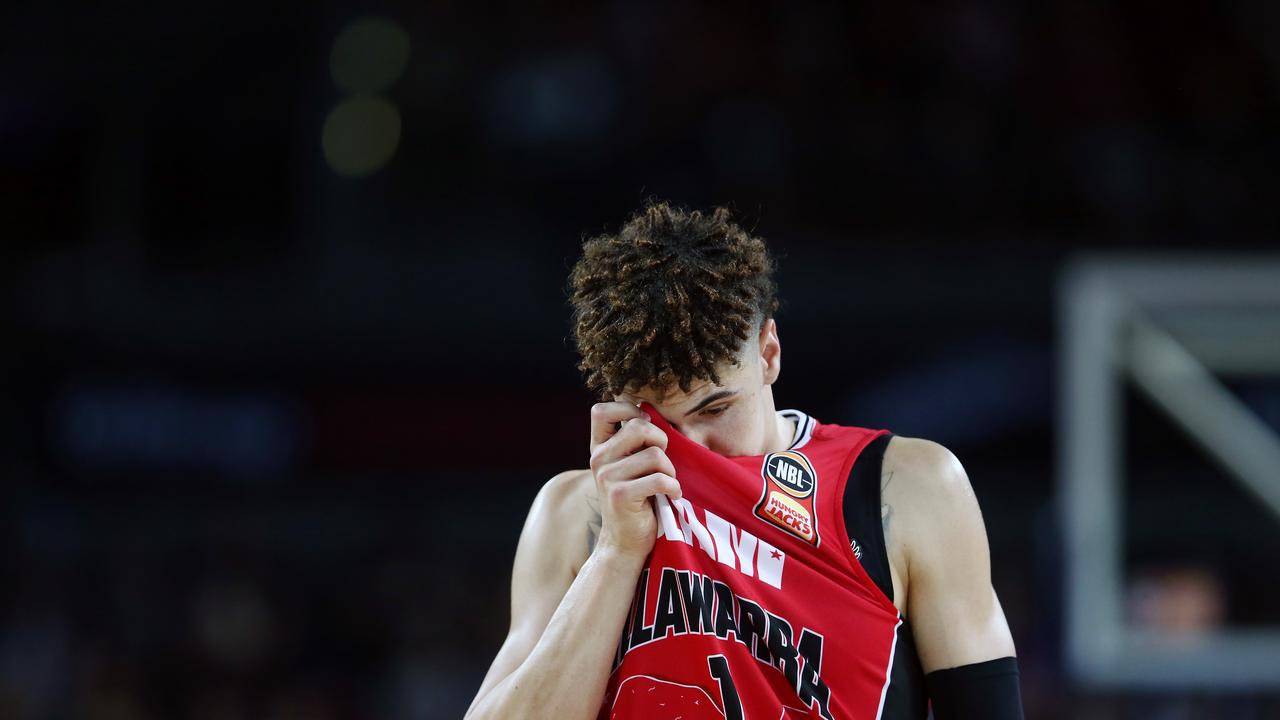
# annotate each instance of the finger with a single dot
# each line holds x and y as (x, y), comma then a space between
(605, 417)
(644, 462)
(632, 494)
(633, 437)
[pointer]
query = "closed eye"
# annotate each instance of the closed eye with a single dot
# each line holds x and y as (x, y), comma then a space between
(717, 410)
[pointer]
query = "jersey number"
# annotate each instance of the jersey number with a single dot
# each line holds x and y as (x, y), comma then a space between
(719, 667)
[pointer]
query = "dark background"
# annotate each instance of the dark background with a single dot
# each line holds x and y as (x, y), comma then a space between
(273, 428)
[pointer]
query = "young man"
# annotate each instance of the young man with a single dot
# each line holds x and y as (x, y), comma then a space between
(721, 559)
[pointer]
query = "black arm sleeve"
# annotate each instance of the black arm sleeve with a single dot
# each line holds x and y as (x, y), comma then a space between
(987, 690)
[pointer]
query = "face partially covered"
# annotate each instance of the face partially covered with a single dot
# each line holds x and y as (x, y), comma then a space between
(735, 416)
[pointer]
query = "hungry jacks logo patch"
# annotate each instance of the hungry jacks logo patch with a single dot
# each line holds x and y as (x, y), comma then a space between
(787, 500)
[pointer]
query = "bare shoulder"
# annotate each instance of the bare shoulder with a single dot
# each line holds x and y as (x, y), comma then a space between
(923, 472)
(563, 487)
(566, 498)
(922, 457)
(927, 493)
(552, 548)
(566, 510)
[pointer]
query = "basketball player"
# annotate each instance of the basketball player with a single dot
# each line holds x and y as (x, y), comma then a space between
(722, 559)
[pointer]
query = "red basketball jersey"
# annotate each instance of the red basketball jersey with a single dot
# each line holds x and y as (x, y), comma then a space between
(752, 604)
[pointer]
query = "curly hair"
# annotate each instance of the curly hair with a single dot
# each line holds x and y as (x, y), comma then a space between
(671, 296)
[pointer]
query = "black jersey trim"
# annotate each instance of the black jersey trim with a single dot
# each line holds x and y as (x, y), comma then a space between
(903, 696)
(862, 521)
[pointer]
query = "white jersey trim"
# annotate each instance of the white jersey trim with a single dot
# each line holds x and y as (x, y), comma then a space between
(804, 428)
(888, 671)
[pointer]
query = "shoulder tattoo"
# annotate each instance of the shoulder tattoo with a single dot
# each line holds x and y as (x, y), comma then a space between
(594, 523)
(886, 510)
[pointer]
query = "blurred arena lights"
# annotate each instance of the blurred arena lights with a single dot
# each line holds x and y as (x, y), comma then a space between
(369, 55)
(362, 132)
(360, 135)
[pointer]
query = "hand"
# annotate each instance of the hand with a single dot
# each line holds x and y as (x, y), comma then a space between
(630, 466)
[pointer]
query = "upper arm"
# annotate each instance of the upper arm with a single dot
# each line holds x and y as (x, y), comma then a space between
(552, 548)
(956, 617)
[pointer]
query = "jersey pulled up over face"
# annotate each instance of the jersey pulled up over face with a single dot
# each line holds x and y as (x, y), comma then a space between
(752, 604)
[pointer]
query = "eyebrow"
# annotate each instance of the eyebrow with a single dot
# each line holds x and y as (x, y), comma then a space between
(719, 395)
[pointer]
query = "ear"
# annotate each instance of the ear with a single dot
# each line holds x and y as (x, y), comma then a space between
(770, 351)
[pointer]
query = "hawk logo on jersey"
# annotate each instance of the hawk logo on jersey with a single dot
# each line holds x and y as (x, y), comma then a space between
(787, 500)
(857, 549)
(642, 696)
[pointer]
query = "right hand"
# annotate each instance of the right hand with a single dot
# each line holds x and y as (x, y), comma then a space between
(630, 465)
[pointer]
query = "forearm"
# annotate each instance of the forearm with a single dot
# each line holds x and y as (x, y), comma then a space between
(565, 674)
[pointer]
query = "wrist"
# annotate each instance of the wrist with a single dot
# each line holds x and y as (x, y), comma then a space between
(617, 555)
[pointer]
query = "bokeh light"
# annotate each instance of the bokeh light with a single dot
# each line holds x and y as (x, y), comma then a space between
(360, 135)
(369, 55)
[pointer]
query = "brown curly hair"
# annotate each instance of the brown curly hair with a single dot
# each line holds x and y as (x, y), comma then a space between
(671, 296)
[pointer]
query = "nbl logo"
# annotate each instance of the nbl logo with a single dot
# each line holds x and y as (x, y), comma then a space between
(792, 472)
(787, 500)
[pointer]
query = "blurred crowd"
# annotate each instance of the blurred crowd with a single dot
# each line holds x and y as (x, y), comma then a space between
(282, 395)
